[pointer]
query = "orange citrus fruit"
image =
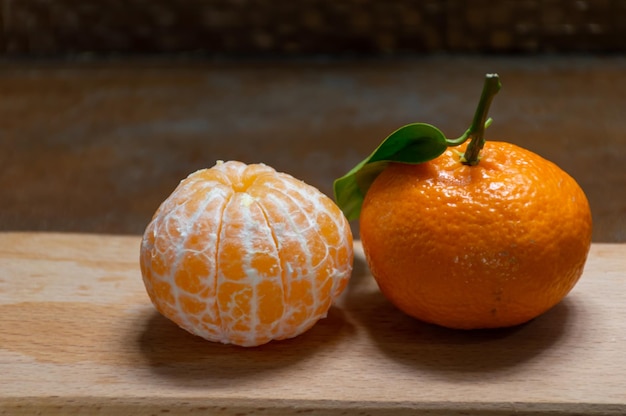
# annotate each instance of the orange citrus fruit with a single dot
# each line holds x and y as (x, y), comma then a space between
(490, 245)
(243, 254)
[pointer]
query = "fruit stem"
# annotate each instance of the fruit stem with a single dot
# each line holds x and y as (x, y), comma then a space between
(476, 131)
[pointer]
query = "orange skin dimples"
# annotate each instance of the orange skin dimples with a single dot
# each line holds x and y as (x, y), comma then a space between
(491, 245)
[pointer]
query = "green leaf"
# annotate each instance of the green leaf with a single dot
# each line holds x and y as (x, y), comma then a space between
(413, 143)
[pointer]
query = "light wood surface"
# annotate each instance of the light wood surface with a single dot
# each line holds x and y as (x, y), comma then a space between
(78, 335)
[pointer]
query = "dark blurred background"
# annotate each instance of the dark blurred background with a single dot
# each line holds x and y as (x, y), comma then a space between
(106, 105)
(319, 27)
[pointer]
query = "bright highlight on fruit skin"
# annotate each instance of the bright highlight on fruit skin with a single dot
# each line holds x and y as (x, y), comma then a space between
(243, 254)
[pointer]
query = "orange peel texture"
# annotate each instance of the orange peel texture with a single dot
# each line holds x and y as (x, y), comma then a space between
(491, 245)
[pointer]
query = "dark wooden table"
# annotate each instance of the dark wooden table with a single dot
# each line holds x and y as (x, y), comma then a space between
(95, 147)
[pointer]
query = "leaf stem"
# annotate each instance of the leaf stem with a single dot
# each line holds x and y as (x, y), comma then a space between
(476, 130)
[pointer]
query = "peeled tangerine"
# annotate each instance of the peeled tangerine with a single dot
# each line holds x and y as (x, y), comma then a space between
(243, 254)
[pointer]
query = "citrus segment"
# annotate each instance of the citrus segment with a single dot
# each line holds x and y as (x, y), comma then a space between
(243, 254)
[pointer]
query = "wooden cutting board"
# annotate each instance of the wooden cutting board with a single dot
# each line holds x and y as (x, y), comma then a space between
(78, 335)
